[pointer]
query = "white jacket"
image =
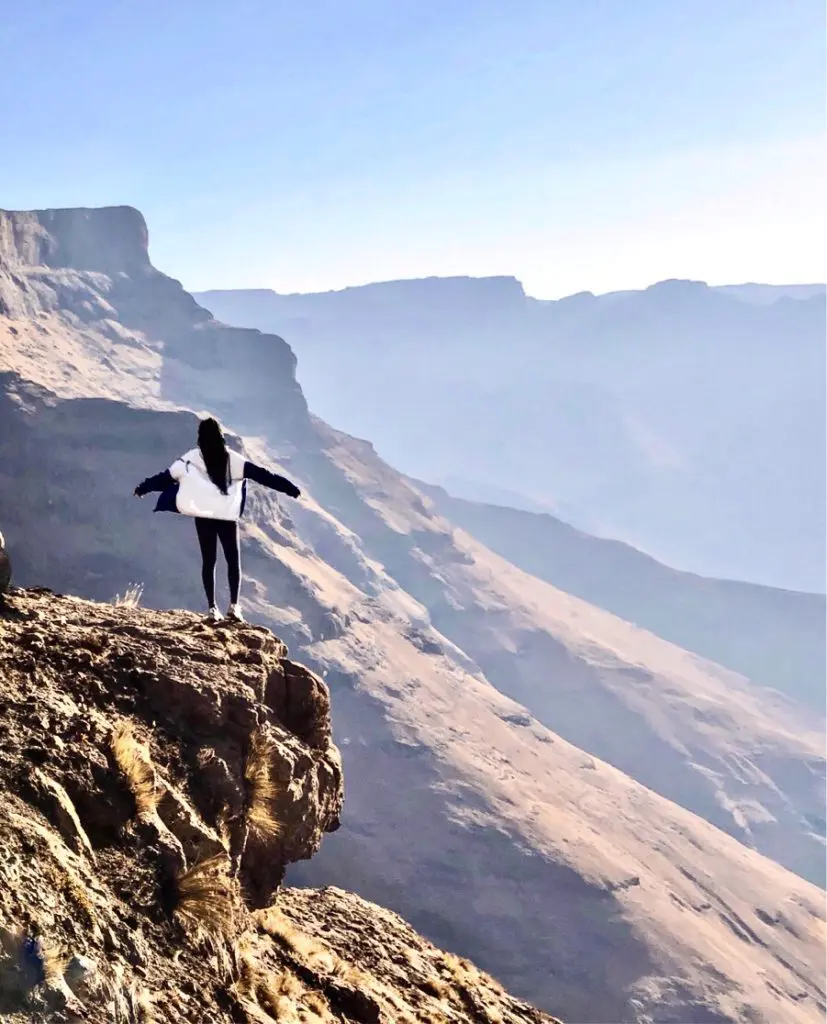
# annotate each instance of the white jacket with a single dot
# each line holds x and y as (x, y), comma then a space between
(197, 494)
(186, 487)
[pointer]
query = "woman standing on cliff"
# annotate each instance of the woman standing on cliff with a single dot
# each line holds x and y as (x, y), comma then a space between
(210, 483)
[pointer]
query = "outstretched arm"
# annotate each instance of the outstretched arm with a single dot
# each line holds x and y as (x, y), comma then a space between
(159, 482)
(271, 480)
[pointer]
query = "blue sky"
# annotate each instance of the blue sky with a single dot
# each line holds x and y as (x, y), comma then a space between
(577, 144)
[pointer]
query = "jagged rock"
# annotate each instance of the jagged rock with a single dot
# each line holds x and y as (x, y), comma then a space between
(62, 812)
(194, 696)
(198, 840)
(81, 975)
(139, 747)
(332, 921)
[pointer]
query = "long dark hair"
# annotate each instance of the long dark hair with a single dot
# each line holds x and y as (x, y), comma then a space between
(214, 450)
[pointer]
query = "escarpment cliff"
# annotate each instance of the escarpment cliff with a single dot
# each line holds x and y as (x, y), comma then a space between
(83, 301)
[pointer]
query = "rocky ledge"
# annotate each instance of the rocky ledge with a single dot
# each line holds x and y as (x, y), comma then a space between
(158, 773)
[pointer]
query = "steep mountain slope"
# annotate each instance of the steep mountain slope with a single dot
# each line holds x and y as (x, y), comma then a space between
(746, 759)
(776, 637)
(157, 774)
(455, 794)
(679, 419)
(577, 886)
(777, 806)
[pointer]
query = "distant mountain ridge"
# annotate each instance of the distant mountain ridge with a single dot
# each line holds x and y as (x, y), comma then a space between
(505, 286)
(768, 293)
(685, 420)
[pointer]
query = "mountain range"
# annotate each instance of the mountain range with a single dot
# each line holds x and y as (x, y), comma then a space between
(615, 826)
(681, 419)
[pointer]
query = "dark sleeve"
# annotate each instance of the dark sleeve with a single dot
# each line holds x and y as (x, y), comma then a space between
(271, 480)
(159, 482)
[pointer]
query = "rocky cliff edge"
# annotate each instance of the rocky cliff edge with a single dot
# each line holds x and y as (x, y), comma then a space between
(158, 774)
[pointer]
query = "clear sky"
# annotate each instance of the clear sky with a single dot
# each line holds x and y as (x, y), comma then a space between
(312, 144)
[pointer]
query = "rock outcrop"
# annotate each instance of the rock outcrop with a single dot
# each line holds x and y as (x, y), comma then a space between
(157, 774)
(199, 703)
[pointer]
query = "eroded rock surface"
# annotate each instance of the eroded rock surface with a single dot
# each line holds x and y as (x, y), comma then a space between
(157, 774)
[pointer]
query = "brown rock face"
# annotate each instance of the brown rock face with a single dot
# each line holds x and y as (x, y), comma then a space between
(89, 270)
(198, 697)
(157, 775)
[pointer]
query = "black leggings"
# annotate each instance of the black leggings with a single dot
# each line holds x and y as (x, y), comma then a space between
(210, 531)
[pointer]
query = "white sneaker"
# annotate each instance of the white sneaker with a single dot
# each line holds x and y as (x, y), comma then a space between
(234, 613)
(214, 615)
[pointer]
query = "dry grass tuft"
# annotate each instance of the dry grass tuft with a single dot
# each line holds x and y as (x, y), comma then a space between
(281, 1009)
(261, 789)
(316, 1003)
(53, 960)
(255, 986)
(435, 987)
(208, 899)
(278, 926)
(135, 764)
(290, 986)
(275, 993)
(315, 953)
(141, 1006)
(65, 879)
(465, 987)
(131, 598)
(456, 966)
(351, 975)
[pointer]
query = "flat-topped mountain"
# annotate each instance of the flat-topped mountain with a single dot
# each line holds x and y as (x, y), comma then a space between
(425, 299)
(110, 241)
